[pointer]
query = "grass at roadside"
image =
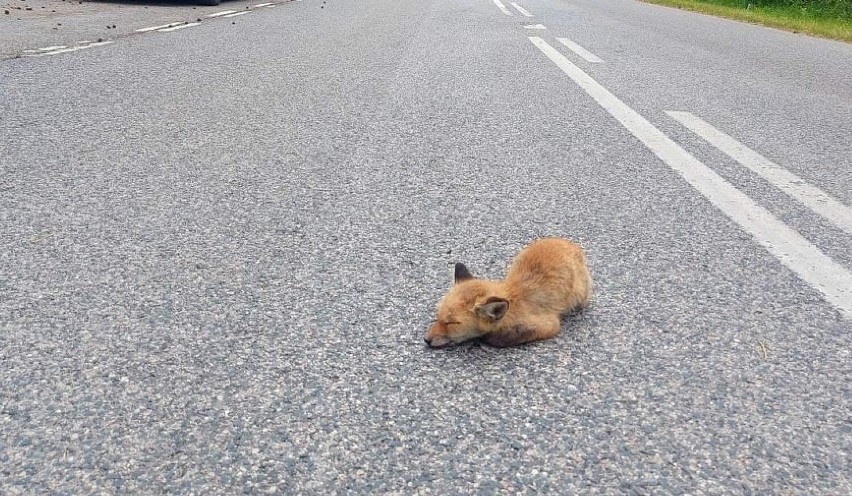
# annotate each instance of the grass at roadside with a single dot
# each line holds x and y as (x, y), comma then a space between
(826, 18)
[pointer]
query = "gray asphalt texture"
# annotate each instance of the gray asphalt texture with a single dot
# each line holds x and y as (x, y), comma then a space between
(221, 248)
(34, 24)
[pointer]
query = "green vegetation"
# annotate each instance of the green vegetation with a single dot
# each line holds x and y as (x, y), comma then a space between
(827, 18)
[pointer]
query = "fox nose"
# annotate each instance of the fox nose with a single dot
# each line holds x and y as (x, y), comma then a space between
(428, 341)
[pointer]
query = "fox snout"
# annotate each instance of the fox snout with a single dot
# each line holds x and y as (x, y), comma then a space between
(436, 336)
(438, 342)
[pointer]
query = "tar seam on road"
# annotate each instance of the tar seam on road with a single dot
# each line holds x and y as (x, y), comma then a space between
(812, 197)
(789, 247)
(582, 52)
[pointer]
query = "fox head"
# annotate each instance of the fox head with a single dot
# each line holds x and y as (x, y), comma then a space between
(470, 309)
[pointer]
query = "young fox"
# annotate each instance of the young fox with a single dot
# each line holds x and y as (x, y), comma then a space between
(547, 279)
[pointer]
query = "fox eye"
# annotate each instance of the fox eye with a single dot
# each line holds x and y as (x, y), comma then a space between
(451, 323)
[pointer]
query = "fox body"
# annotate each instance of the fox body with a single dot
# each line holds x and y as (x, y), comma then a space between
(547, 279)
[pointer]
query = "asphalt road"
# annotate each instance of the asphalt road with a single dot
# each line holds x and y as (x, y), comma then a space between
(26, 26)
(220, 248)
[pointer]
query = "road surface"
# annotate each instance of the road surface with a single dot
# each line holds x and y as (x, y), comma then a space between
(222, 244)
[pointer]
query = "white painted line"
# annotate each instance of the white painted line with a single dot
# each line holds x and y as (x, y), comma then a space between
(261, 5)
(85, 42)
(535, 26)
(502, 7)
(582, 52)
(175, 28)
(154, 28)
(51, 48)
(224, 12)
(239, 13)
(521, 9)
(71, 49)
(827, 276)
(812, 197)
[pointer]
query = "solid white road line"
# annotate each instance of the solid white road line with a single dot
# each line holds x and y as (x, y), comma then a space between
(521, 9)
(812, 197)
(175, 28)
(535, 26)
(238, 13)
(154, 28)
(827, 276)
(51, 48)
(224, 12)
(261, 5)
(502, 7)
(71, 49)
(582, 52)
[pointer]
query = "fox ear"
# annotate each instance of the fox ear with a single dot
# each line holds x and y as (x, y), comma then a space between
(493, 308)
(462, 274)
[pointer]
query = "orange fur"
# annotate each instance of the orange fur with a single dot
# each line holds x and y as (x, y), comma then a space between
(547, 279)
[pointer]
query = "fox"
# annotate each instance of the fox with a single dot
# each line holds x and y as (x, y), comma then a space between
(547, 279)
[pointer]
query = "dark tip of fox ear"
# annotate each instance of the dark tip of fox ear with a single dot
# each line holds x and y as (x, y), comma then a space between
(462, 274)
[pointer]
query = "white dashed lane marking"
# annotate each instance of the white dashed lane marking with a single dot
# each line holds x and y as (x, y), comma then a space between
(582, 52)
(63, 49)
(521, 9)
(535, 26)
(155, 28)
(800, 256)
(500, 5)
(163, 28)
(812, 197)
(224, 12)
(45, 49)
(175, 28)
